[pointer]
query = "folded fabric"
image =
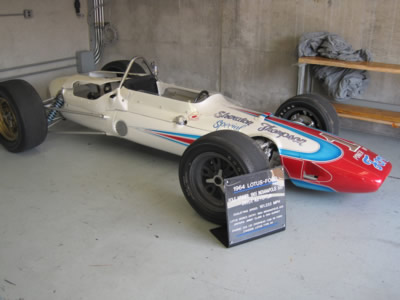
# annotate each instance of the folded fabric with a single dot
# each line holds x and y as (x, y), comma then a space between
(341, 83)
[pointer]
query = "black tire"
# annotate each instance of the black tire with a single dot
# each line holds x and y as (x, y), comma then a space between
(121, 65)
(214, 157)
(23, 122)
(311, 110)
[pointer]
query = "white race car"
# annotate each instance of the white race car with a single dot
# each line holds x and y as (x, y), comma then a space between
(215, 138)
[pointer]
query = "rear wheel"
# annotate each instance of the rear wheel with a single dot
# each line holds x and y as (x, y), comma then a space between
(310, 110)
(23, 123)
(121, 65)
(211, 159)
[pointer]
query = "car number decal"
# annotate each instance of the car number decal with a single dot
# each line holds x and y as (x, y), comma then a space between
(378, 162)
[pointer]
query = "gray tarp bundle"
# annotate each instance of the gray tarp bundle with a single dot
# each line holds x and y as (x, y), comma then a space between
(341, 83)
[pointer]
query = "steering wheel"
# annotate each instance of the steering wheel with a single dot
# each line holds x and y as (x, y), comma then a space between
(107, 88)
(201, 95)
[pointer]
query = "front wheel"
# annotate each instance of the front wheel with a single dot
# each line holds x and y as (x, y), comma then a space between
(211, 159)
(23, 123)
(310, 110)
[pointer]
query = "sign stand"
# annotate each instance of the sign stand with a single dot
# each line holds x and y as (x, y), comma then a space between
(255, 207)
(221, 233)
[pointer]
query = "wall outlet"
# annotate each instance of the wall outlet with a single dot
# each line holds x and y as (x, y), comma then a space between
(28, 13)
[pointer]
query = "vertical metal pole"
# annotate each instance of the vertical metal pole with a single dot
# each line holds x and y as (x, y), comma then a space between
(300, 79)
(309, 81)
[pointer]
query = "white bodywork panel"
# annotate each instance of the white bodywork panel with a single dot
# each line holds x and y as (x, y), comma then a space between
(167, 121)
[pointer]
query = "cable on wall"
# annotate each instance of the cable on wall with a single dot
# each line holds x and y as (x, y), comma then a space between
(26, 13)
(98, 11)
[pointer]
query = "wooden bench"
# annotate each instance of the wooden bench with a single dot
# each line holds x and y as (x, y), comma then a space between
(345, 110)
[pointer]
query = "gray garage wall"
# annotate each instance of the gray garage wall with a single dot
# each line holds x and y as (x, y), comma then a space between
(54, 32)
(246, 48)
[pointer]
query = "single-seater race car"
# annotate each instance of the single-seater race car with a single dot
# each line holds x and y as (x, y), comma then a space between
(216, 138)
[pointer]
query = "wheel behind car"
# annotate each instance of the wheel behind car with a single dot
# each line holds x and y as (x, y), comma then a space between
(23, 123)
(311, 110)
(121, 65)
(211, 159)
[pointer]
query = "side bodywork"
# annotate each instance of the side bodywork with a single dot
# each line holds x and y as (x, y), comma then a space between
(170, 121)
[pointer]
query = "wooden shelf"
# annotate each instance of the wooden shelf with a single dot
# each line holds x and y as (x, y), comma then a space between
(360, 65)
(353, 111)
(368, 114)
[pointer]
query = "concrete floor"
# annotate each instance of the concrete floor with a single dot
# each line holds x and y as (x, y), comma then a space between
(94, 217)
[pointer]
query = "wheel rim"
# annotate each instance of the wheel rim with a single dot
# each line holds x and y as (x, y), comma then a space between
(208, 172)
(8, 121)
(305, 117)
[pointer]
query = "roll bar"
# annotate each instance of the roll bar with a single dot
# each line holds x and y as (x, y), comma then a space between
(133, 60)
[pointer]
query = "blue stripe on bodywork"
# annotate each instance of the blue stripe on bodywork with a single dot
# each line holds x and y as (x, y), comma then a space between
(169, 139)
(159, 132)
(311, 186)
(326, 152)
(191, 136)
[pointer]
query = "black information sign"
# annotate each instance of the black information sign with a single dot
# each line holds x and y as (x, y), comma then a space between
(255, 206)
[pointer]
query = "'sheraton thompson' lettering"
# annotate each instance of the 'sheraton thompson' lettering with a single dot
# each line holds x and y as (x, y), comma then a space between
(279, 133)
(227, 115)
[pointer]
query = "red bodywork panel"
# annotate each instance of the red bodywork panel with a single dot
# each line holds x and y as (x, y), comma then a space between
(356, 170)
